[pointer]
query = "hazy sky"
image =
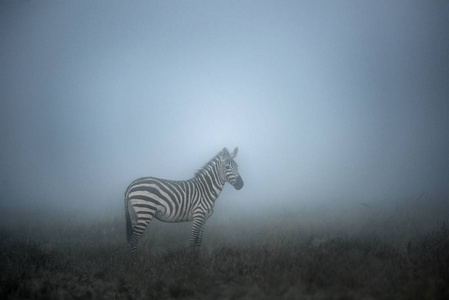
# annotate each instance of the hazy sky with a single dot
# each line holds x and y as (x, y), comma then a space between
(327, 100)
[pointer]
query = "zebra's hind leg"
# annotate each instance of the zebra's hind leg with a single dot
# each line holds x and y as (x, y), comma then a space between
(138, 229)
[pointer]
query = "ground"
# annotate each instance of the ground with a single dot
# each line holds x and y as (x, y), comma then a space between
(91, 260)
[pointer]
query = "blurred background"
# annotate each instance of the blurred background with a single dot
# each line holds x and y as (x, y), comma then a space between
(335, 106)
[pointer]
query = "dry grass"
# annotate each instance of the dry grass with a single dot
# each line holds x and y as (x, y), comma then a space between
(91, 261)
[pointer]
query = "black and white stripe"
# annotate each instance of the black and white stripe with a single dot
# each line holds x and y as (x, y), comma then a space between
(179, 201)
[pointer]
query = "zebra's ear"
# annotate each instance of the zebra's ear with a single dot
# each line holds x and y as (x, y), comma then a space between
(234, 153)
(224, 152)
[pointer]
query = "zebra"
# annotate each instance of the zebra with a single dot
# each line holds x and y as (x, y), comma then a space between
(179, 201)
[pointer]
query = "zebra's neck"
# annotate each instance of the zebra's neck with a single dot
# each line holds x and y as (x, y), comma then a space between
(210, 175)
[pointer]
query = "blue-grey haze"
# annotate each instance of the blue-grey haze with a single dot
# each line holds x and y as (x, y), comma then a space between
(329, 102)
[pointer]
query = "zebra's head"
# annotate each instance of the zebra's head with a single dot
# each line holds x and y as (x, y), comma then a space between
(229, 170)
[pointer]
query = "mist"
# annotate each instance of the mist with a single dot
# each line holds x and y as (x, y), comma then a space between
(335, 106)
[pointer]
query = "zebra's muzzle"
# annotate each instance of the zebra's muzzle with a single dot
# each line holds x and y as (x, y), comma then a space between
(238, 183)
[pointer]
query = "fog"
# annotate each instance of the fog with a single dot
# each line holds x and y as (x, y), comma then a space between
(333, 104)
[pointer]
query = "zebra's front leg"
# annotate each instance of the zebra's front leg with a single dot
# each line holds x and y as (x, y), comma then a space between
(197, 231)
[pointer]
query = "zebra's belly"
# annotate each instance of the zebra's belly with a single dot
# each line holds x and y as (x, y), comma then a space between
(177, 217)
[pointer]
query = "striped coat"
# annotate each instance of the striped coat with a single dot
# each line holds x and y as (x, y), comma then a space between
(179, 201)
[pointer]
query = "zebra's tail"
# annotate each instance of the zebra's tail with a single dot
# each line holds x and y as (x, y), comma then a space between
(129, 226)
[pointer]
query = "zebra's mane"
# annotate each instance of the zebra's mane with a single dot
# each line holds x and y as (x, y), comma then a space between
(208, 166)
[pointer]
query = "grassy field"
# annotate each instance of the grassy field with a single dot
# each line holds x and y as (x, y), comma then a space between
(282, 258)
